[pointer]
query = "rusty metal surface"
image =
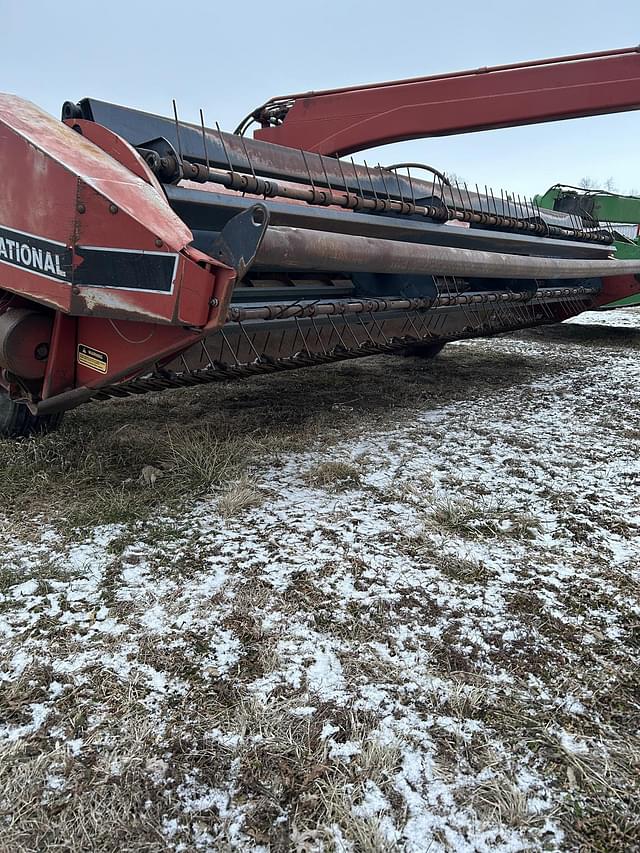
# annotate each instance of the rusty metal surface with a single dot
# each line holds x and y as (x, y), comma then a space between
(368, 306)
(250, 347)
(294, 248)
(208, 208)
(462, 210)
(95, 168)
(221, 150)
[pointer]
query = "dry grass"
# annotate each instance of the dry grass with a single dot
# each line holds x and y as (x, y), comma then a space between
(463, 569)
(480, 518)
(334, 475)
(129, 782)
(601, 777)
(499, 801)
(238, 496)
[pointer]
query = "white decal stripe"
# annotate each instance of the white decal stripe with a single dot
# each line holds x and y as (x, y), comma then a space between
(35, 236)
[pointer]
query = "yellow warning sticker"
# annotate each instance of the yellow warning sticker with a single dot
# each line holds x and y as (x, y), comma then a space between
(93, 358)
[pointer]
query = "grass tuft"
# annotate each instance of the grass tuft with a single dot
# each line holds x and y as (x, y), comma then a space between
(481, 518)
(336, 475)
(239, 496)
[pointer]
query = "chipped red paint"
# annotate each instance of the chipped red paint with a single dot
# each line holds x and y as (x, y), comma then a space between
(61, 364)
(93, 190)
(116, 147)
(63, 188)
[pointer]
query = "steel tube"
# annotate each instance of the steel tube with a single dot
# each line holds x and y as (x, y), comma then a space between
(320, 251)
(362, 306)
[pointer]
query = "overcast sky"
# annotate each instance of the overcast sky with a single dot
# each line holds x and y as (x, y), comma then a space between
(229, 57)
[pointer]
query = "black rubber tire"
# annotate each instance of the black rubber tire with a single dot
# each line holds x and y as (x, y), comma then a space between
(16, 421)
(424, 350)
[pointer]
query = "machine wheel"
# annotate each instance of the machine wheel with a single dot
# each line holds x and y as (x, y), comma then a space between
(16, 421)
(424, 350)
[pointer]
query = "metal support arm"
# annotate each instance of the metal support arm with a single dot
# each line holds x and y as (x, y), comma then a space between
(342, 121)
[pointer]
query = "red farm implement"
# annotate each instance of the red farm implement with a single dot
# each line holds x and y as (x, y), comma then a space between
(140, 253)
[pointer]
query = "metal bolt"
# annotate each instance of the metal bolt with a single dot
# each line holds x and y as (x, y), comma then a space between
(214, 302)
(158, 242)
(113, 208)
(81, 208)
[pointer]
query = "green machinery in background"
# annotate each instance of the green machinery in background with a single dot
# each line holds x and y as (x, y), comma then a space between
(596, 207)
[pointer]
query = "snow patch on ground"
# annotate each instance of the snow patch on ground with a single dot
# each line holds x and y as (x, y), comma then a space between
(487, 560)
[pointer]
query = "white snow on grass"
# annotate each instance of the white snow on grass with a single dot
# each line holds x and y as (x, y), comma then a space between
(417, 662)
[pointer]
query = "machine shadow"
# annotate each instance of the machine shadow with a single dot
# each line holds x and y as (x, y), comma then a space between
(337, 396)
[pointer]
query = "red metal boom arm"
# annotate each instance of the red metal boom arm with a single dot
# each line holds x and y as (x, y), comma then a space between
(342, 121)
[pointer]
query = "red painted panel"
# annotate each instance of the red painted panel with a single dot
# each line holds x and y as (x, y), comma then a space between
(618, 287)
(128, 347)
(60, 375)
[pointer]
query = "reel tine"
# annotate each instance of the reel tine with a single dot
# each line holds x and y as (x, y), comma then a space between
(493, 199)
(224, 147)
(413, 197)
(470, 203)
(342, 175)
(355, 172)
(325, 173)
(399, 186)
(375, 194)
(250, 163)
(175, 115)
(304, 157)
(204, 140)
(449, 186)
(384, 183)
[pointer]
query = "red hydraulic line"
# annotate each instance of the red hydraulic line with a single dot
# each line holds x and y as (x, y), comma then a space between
(349, 119)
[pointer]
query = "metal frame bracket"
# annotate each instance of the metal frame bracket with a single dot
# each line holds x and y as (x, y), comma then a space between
(238, 242)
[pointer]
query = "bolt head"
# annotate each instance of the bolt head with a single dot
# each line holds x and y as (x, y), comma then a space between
(81, 208)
